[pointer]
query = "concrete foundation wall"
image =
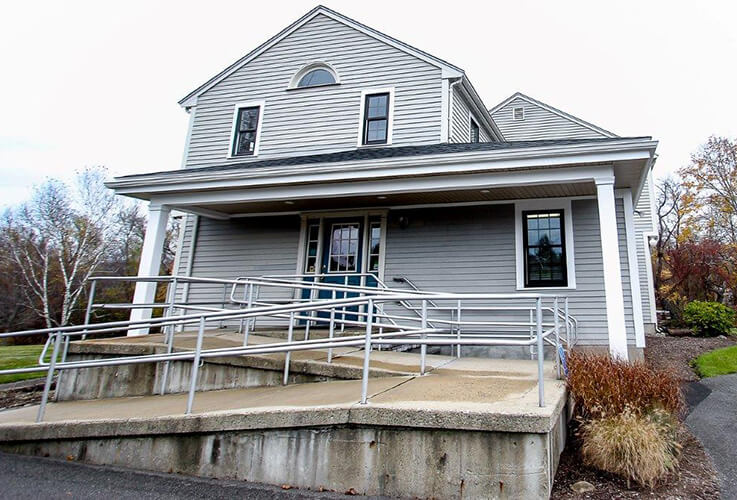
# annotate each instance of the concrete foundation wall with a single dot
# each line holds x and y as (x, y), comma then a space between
(373, 460)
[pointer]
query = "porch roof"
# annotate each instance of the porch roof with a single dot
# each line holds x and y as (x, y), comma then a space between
(403, 175)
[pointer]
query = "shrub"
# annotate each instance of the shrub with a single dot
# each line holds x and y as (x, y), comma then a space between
(641, 448)
(603, 387)
(709, 318)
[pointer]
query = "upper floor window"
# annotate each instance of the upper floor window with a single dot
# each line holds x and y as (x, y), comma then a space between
(474, 131)
(518, 114)
(247, 119)
(544, 249)
(314, 75)
(376, 117)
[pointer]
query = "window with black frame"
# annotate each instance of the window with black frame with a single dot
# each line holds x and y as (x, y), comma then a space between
(246, 131)
(544, 247)
(376, 119)
(474, 131)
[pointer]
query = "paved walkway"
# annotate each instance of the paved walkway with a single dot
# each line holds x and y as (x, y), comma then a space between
(714, 423)
(35, 478)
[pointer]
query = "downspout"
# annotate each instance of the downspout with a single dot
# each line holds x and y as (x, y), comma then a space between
(450, 106)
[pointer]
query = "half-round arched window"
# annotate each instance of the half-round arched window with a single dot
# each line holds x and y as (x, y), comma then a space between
(314, 75)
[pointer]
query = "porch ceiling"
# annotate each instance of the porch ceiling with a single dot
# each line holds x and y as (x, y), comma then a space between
(398, 200)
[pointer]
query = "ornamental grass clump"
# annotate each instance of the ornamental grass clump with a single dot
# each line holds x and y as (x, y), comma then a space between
(628, 414)
(640, 448)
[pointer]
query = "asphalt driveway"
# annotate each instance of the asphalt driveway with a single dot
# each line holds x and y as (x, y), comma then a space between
(714, 422)
(44, 478)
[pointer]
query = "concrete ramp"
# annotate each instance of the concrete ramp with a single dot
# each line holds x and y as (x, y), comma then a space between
(470, 428)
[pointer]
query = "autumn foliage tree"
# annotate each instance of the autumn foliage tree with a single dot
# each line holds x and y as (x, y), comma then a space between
(696, 257)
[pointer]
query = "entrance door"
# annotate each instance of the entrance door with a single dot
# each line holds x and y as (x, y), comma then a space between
(341, 258)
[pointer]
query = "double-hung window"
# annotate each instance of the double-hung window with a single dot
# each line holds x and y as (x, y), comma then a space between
(376, 118)
(247, 120)
(544, 248)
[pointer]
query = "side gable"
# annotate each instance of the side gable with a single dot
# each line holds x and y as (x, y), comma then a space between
(541, 121)
(448, 70)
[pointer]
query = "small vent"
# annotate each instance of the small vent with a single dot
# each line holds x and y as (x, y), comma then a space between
(518, 113)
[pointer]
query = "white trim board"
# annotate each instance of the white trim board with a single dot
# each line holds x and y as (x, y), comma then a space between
(390, 116)
(544, 204)
(261, 104)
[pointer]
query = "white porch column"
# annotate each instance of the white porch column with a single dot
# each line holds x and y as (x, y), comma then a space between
(153, 245)
(612, 268)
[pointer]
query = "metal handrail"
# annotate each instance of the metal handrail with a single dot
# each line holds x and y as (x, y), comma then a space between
(372, 317)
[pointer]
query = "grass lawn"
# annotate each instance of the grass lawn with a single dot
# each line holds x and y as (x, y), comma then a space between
(19, 356)
(718, 362)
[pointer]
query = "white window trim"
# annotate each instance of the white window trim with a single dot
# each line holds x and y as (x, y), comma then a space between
(248, 104)
(562, 204)
(293, 83)
(471, 121)
(390, 125)
(514, 108)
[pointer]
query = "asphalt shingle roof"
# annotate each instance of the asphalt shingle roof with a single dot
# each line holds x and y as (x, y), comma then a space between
(374, 153)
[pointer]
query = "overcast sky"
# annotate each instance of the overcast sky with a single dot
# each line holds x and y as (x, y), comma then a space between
(97, 83)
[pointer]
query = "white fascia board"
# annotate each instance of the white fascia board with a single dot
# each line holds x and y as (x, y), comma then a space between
(643, 178)
(488, 161)
(301, 191)
(447, 70)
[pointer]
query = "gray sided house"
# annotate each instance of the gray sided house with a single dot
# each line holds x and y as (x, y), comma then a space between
(334, 150)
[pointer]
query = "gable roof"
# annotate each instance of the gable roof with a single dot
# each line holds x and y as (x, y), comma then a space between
(448, 70)
(556, 111)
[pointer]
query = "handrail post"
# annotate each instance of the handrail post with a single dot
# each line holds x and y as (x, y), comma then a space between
(195, 366)
(540, 353)
(288, 355)
(458, 330)
(532, 332)
(169, 335)
(90, 301)
(557, 335)
(423, 336)
(247, 329)
(345, 296)
(222, 304)
(332, 330)
(49, 378)
(367, 351)
(568, 326)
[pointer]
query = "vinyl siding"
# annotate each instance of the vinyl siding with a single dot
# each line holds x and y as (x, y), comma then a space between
(321, 119)
(539, 123)
(473, 250)
(469, 250)
(240, 247)
(644, 225)
(460, 124)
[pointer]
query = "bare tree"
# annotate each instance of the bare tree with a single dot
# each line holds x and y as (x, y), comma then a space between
(57, 241)
(671, 213)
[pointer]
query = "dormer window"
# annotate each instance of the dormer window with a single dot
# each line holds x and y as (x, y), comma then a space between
(315, 74)
(518, 114)
(474, 131)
